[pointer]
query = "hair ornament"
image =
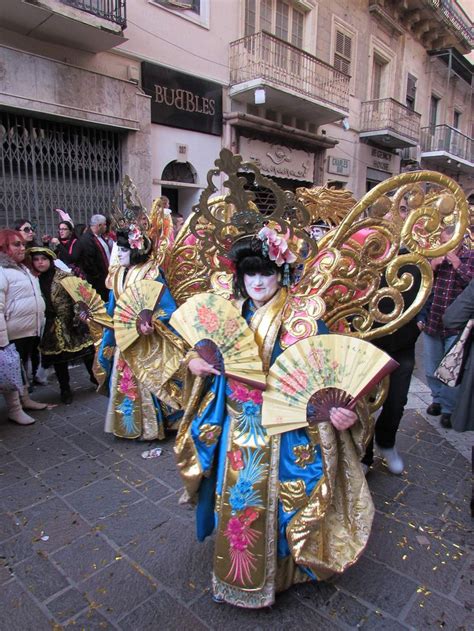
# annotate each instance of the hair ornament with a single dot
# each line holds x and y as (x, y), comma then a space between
(136, 238)
(275, 246)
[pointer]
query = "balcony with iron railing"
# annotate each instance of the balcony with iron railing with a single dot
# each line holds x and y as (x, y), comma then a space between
(443, 144)
(291, 78)
(389, 123)
(111, 10)
(91, 25)
(436, 23)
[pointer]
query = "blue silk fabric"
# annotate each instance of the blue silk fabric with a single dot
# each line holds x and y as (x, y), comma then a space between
(213, 457)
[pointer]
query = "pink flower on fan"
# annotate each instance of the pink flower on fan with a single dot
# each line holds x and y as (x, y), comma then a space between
(85, 293)
(291, 384)
(208, 319)
(231, 326)
(278, 249)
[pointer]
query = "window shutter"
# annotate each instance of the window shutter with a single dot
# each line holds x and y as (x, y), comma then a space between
(342, 55)
(411, 86)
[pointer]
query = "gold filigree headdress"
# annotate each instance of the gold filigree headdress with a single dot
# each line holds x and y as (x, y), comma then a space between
(216, 232)
(144, 231)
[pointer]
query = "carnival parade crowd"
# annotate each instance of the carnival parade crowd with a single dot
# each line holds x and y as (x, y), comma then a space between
(278, 504)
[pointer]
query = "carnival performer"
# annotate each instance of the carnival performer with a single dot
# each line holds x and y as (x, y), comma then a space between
(249, 486)
(65, 337)
(288, 505)
(134, 411)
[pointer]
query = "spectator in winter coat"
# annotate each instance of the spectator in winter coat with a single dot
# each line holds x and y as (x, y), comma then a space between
(21, 315)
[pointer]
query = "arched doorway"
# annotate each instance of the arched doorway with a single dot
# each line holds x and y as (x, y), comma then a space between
(179, 184)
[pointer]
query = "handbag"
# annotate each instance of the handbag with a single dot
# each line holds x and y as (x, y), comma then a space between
(451, 367)
(10, 369)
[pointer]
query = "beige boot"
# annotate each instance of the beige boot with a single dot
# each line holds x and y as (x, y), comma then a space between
(15, 412)
(29, 404)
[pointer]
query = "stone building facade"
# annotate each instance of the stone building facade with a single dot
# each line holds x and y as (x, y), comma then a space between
(313, 90)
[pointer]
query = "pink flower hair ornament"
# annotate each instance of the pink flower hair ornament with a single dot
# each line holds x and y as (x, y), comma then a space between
(135, 238)
(275, 246)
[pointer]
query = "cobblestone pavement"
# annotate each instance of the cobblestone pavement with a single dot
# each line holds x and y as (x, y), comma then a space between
(92, 535)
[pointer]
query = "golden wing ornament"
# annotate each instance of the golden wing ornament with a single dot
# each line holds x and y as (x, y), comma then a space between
(316, 374)
(365, 260)
(134, 309)
(221, 336)
(87, 300)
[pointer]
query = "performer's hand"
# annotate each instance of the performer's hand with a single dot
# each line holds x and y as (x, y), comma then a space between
(421, 325)
(146, 328)
(201, 368)
(342, 418)
(83, 316)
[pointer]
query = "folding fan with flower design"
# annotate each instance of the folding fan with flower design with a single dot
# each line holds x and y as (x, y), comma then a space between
(135, 309)
(87, 300)
(221, 336)
(318, 373)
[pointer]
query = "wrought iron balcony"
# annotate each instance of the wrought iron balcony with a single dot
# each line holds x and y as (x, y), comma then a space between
(445, 141)
(390, 124)
(111, 10)
(291, 77)
(92, 25)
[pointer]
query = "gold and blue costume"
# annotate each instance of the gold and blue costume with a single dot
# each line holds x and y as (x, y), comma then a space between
(284, 509)
(134, 410)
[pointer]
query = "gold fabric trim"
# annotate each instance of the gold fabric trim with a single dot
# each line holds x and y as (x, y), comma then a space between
(185, 451)
(208, 398)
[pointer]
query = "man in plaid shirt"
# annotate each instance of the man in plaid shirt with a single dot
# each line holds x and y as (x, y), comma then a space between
(452, 273)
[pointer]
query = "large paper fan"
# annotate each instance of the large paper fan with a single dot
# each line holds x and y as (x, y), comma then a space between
(136, 306)
(316, 374)
(87, 299)
(221, 336)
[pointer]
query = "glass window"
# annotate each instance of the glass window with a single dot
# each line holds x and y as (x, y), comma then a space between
(456, 119)
(282, 20)
(434, 103)
(266, 16)
(377, 72)
(297, 29)
(250, 17)
(411, 92)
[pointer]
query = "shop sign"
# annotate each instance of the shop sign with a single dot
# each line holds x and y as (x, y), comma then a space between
(277, 160)
(181, 100)
(381, 159)
(339, 166)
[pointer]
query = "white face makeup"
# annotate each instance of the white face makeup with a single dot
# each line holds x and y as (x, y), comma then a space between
(261, 288)
(123, 255)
